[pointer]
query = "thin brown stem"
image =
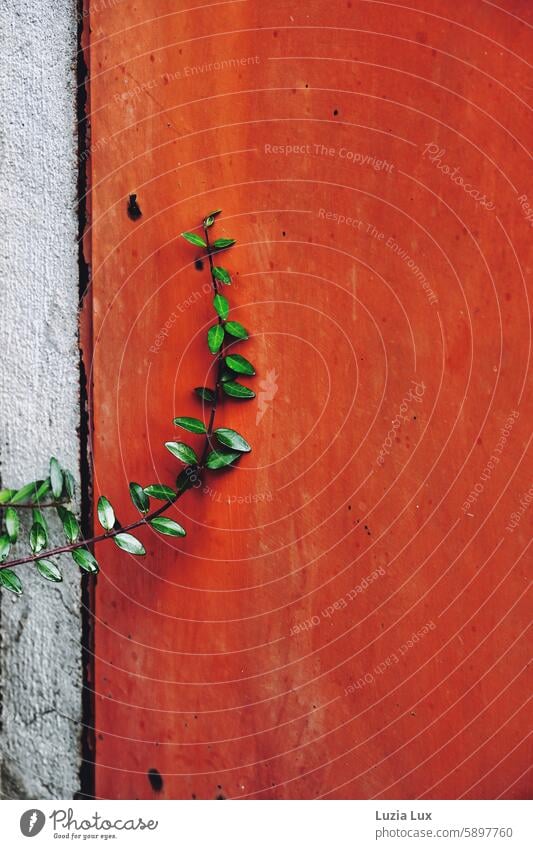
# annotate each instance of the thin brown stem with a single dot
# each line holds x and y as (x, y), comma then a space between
(27, 505)
(220, 357)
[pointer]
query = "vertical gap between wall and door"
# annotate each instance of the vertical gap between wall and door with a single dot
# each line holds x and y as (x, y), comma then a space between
(87, 783)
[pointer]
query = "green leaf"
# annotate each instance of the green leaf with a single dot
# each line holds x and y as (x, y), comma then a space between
(49, 571)
(191, 424)
(167, 526)
(209, 220)
(219, 244)
(226, 374)
(183, 452)
(70, 524)
(69, 484)
(10, 581)
(221, 304)
(6, 495)
(128, 543)
(194, 240)
(215, 337)
(106, 514)
(5, 545)
(41, 489)
(184, 481)
(239, 364)
(162, 493)
(220, 459)
(85, 560)
(12, 524)
(26, 492)
(38, 516)
(232, 439)
(205, 394)
(237, 390)
(139, 497)
(38, 537)
(56, 478)
(236, 329)
(222, 274)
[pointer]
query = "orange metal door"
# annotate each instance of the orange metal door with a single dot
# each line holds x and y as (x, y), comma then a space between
(347, 616)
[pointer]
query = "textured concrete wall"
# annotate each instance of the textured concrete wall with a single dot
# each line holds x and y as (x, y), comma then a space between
(39, 382)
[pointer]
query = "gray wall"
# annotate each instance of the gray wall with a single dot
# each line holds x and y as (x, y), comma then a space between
(39, 383)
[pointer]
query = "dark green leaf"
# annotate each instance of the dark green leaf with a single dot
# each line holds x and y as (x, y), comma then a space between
(237, 390)
(70, 524)
(236, 329)
(209, 220)
(85, 560)
(6, 495)
(42, 489)
(38, 537)
(167, 526)
(106, 514)
(128, 543)
(219, 459)
(205, 394)
(221, 305)
(183, 452)
(215, 337)
(12, 524)
(162, 493)
(226, 374)
(232, 439)
(191, 424)
(222, 274)
(26, 492)
(10, 581)
(239, 364)
(219, 244)
(194, 240)
(139, 497)
(49, 571)
(5, 545)
(69, 485)
(185, 481)
(56, 478)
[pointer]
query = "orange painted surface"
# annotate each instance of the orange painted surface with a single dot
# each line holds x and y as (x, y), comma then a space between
(270, 654)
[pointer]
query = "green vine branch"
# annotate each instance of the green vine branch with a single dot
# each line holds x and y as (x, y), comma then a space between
(222, 447)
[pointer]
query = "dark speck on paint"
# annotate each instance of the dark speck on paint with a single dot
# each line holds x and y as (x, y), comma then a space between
(156, 780)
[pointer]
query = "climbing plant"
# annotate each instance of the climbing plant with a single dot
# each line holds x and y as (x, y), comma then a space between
(222, 447)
